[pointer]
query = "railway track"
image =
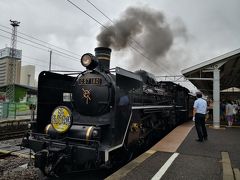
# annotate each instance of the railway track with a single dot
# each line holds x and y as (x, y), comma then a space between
(11, 129)
(15, 163)
(12, 134)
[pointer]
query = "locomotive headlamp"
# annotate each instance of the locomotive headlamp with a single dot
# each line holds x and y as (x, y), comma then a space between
(86, 60)
(89, 61)
(61, 119)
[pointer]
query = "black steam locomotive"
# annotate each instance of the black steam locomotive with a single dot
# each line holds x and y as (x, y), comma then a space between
(101, 116)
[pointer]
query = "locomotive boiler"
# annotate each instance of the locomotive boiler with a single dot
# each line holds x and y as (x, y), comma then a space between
(101, 116)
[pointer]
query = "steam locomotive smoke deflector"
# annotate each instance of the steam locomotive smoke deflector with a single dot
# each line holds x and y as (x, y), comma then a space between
(120, 145)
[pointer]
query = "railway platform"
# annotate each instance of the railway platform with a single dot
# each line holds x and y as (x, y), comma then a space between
(179, 156)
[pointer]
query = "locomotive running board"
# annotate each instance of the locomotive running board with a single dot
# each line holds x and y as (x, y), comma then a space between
(155, 107)
(120, 145)
(151, 107)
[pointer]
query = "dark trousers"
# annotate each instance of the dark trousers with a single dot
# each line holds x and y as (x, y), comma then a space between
(200, 126)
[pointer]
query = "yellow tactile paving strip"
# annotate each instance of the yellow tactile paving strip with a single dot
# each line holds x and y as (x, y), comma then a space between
(172, 141)
(227, 167)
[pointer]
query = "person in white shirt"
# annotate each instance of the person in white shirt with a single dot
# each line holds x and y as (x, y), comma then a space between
(199, 113)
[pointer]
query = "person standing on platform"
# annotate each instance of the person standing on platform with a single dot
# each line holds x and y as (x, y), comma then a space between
(199, 113)
(229, 113)
(222, 110)
(235, 109)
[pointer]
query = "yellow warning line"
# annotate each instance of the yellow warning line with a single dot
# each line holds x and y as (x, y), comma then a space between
(236, 173)
(227, 167)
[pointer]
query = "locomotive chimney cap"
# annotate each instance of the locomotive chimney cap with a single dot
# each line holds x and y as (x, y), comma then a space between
(103, 55)
(103, 49)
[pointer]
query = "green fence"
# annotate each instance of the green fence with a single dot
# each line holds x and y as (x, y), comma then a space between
(11, 110)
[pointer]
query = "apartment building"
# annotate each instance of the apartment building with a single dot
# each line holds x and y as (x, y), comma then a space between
(6, 62)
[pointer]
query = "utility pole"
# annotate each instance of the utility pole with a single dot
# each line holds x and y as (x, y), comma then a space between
(10, 90)
(50, 60)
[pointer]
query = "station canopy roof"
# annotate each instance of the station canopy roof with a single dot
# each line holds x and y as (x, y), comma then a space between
(201, 74)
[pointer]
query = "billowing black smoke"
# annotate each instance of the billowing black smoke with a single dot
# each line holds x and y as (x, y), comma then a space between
(145, 28)
(156, 45)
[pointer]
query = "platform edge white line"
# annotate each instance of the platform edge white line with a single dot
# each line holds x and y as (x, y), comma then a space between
(165, 167)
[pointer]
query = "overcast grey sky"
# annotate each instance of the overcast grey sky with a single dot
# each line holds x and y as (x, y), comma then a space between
(198, 31)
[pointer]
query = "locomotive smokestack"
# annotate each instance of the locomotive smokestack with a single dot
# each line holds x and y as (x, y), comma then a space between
(103, 55)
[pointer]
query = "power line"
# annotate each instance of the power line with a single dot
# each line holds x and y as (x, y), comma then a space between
(100, 11)
(30, 36)
(46, 50)
(71, 59)
(43, 50)
(31, 63)
(141, 53)
(41, 45)
(88, 14)
(41, 60)
(25, 43)
(36, 59)
(112, 21)
(37, 64)
(45, 68)
(41, 65)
